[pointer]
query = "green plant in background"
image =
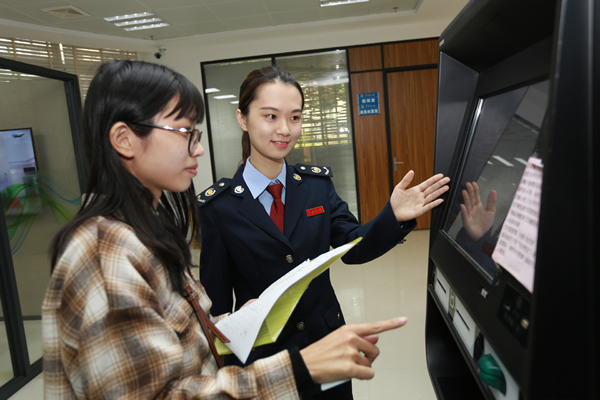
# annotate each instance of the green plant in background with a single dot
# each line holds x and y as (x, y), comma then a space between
(23, 202)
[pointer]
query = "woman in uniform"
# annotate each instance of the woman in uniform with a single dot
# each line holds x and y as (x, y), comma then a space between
(273, 216)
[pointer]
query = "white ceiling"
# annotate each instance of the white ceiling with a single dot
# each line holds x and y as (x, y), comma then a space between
(193, 17)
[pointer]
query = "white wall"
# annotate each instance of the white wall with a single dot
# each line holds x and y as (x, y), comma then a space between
(185, 54)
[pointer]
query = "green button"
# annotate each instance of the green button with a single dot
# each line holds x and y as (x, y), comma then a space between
(491, 373)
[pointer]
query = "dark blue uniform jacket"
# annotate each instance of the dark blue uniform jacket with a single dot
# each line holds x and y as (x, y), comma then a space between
(243, 250)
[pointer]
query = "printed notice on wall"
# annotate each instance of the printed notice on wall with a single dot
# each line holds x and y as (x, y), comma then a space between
(517, 242)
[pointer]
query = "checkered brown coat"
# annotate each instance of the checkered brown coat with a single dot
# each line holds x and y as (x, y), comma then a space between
(114, 328)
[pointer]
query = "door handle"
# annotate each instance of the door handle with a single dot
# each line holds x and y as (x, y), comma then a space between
(396, 164)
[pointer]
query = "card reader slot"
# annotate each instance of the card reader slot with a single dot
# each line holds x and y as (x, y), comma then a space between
(442, 286)
(463, 320)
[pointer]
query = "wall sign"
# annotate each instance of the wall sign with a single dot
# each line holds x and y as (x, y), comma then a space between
(368, 103)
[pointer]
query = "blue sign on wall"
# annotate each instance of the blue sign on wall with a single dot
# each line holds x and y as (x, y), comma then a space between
(368, 103)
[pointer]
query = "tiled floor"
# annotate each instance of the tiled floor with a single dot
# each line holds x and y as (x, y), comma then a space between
(393, 285)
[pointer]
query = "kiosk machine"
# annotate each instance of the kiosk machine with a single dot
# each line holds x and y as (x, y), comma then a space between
(512, 302)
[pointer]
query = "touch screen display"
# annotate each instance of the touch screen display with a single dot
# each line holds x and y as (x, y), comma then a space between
(504, 134)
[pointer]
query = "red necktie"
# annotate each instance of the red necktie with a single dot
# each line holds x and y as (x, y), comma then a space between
(277, 205)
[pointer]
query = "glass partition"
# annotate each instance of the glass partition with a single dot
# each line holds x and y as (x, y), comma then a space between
(40, 188)
(222, 89)
(326, 127)
(6, 372)
(42, 198)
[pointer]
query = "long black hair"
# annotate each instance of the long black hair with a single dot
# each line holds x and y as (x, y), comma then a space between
(249, 90)
(135, 92)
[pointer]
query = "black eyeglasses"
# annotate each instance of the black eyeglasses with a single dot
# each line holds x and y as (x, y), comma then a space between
(195, 134)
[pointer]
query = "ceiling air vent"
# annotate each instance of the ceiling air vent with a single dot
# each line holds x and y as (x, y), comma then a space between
(66, 12)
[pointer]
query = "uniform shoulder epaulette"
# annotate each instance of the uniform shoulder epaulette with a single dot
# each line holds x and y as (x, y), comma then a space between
(313, 170)
(213, 191)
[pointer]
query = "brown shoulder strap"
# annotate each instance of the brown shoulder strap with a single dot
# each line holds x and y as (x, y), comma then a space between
(205, 323)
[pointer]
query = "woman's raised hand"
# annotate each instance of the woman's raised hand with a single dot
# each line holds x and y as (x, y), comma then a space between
(348, 352)
(416, 201)
(476, 219)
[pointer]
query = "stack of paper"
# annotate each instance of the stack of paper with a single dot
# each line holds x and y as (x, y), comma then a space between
(262, 321)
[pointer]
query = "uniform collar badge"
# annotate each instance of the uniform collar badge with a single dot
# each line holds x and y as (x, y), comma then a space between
(238, 189)
(297, 177)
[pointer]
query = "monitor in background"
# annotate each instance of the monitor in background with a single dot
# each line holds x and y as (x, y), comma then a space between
(17, 157)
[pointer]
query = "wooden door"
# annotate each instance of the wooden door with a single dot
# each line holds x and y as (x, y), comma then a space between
(412, 105)
(371, 144)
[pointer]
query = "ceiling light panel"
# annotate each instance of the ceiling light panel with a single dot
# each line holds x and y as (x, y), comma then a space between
(137, 21)
(140, 27)
(327, 3)
(128, 16)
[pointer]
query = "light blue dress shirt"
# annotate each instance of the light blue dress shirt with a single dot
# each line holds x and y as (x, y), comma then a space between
(257, 184)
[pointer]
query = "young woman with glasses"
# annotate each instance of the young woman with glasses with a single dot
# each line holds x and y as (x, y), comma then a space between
(244, 250)
(123, 316)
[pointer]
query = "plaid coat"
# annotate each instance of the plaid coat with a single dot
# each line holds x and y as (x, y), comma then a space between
(113, 327)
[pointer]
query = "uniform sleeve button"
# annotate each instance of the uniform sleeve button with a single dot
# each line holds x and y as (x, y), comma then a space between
(301, 326)
(289, 259)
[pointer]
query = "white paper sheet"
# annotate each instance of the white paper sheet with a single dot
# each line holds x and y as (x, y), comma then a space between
(517, 243)
(327, 386)
(243, 326)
